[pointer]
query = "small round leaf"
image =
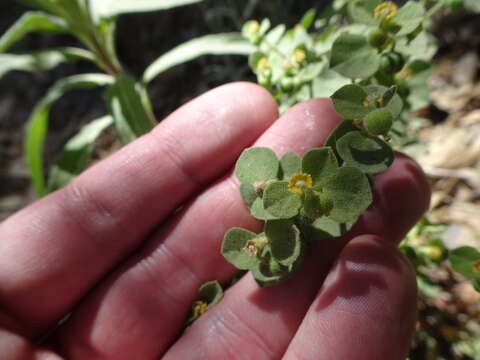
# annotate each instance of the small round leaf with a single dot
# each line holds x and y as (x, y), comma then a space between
(248, 193)
(367, 153)
(353, 57)
(284, 239)
(379, 122)
(350, 191)
(257, 164)
(348, 101)
(233, 247)
(210, 292)
(319, 163)
(280, 202)
(258, 211)
(290, 164)
(466, 261)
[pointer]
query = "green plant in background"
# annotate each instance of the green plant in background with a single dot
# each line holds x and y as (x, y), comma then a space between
(372, 58)
(92, 23)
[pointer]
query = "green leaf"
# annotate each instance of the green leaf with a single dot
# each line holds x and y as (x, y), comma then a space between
(343, 128)
(325, 228)
(233, 248)
(285, 242)
(280, 202)
(210, 292)
(472, 5)
(110, 8)
(395, 105)
(476, 284)
(274, 35)
(369, 154)
(268, 273)
(353, 57)
(248, 193)
(216, 44)
(350, 191)
(308, 19)
(378, 122)
(466, 261)
(31, 21)
(130, 117)
(290, 164)
(259, 212)
(319, 163)
(76, 153)
(361, 11)
(348, 101)
(316, 204)
(257, 164)
(38, 123)
(42, 60)
(409, 17)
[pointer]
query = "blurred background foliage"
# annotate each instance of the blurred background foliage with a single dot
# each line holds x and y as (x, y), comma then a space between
(448, 146)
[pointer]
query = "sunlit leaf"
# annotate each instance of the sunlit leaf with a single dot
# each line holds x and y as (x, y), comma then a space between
(76, 154)
(31, 21)
(130, 117)
(38, 123)
(216, 44)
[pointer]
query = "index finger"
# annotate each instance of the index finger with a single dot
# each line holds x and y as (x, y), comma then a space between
(52, 252)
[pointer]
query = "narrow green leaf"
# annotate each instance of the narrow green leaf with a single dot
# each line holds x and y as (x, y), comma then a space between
(257, 164)
(130, 117)
(369, 154)
(348, 101)
(216, 44)
(308, 19)
(38, 123)
(285, 242)
(353, 57)
(466, 261)
(350, 192)
(31, 21)
(290, 164)
(76, 153)
(319, 163)
(110, 8)
(280, 202)
(233, 247)
(43, 60)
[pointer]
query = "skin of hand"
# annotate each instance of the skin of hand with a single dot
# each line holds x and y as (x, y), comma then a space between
(126, 245)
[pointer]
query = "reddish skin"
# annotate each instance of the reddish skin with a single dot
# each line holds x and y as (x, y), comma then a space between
(110, 248)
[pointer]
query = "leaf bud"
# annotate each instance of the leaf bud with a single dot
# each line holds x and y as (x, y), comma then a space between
(377, 38)
(379, 122)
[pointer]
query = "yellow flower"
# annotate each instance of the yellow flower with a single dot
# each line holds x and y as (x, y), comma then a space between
(299, 56)
(254, 27)
(198, 308)
(299, 182)
(386, 9)
(263, 64)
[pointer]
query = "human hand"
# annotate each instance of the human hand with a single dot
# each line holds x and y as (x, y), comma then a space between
(111, 249)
